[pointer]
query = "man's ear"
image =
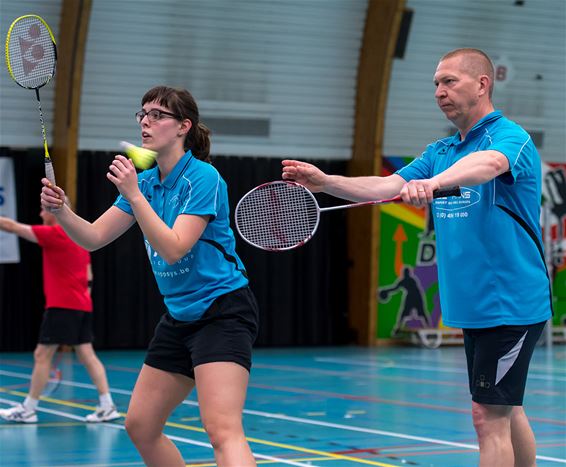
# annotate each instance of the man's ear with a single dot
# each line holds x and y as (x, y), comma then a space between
(484, 84)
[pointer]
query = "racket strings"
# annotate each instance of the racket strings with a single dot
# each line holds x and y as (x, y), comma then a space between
(31, 53)
(277, 216)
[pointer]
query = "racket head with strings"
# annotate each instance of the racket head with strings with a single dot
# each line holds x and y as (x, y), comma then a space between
(277, 216)
(284, 215)
(31, 52)
(31, 59)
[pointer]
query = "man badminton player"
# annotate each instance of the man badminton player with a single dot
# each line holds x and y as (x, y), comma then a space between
(205, 338)
(67, 319)
(492, 274)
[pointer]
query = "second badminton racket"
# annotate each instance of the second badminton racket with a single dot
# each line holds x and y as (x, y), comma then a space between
(283, 215)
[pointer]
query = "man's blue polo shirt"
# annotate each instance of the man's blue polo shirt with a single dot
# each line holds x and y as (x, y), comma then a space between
(490, 267)
(191, 284)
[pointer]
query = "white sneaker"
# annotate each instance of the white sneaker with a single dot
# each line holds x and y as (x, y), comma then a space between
(19, 414)
(103, 415)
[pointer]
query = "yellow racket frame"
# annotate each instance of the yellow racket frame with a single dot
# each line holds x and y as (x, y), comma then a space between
(7, 55)
(49, 172)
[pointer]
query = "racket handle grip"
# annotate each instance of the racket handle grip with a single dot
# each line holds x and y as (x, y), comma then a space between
(49, 172)
(445, 192)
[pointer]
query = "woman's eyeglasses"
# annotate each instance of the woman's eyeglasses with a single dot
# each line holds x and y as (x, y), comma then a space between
(153, 115)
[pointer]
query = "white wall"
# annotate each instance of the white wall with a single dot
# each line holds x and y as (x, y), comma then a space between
(529, 39)
(278, 78)
(290, 65)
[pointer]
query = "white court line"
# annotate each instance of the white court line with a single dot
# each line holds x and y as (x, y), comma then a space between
(431, 359)
(305, 421)
(370, 364)
(374, 364)
(175, 438)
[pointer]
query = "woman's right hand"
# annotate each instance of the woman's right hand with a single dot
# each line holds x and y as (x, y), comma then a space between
(52, 197)
(306, 174)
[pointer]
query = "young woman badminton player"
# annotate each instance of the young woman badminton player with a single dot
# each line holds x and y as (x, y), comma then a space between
(205, 337)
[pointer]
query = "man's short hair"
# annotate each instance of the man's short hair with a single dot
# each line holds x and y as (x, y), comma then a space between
(475, 63)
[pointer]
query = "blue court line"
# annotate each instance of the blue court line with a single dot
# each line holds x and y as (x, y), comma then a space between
(532, 366)
(356, 374)
(301, 420)
(443, 369)
(172, 437)
(328, 455)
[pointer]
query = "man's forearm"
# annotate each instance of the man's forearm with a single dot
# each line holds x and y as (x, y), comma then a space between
(363, 188)
(474, 169)
(21, 230)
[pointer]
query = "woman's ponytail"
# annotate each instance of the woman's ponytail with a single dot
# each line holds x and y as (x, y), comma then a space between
(198, 141)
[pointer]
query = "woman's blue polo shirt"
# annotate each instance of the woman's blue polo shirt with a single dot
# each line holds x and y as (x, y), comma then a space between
(191, 284)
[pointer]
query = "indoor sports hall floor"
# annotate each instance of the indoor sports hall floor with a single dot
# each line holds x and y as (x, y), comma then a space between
(326, 407)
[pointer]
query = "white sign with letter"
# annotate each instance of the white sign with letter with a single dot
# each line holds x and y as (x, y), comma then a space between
(9, 246)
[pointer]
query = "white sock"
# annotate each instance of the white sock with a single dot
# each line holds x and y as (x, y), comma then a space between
(105, 400)
(30, 403)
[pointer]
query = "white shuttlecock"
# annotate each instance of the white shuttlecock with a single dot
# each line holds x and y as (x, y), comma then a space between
(141, 157)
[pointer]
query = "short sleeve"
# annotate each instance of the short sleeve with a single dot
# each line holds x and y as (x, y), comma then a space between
(420, 168)
(47, 235)
(123, 204)
(202, 196)
(518, 148)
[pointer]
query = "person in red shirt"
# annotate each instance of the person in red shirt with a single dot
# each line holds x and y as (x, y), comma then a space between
(67, 319)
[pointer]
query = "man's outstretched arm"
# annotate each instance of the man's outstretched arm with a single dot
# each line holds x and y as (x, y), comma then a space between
(21, 230)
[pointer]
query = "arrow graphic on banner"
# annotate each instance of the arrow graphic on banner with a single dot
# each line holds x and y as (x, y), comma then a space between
(399, 237)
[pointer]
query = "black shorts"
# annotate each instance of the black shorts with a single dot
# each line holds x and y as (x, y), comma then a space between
(498, 362)
(225, 333)
(65, 327)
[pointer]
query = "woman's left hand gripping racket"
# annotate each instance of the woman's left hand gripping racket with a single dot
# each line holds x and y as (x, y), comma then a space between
(31, 56)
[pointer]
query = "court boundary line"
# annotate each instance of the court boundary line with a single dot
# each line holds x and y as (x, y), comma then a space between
(370, 364)
(327, 455)
(173, 437)
(300, 420)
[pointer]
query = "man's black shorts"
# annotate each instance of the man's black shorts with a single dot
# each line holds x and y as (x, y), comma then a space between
(225, 333)
(498, 362)
(65, 327)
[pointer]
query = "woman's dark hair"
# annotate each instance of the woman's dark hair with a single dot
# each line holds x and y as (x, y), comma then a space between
(182, 104)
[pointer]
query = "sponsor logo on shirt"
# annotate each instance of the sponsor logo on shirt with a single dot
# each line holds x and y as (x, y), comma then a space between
(448, 207)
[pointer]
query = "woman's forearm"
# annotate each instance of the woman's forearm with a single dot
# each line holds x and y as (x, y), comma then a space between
(78, 229)
(93, 236)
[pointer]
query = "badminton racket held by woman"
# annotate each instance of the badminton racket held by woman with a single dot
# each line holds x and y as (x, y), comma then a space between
(31, 57)
(284, 215)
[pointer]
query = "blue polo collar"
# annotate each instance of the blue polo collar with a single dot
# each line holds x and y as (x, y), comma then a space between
(175, 174)
(491, 117)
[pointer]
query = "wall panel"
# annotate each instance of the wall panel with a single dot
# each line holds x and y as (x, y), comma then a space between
(529, 39)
